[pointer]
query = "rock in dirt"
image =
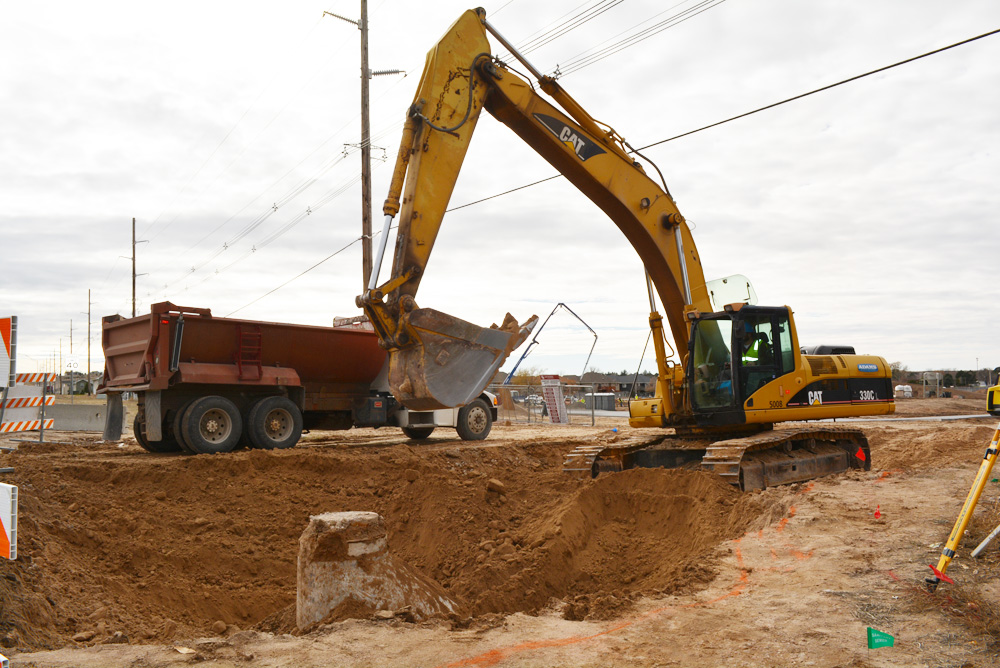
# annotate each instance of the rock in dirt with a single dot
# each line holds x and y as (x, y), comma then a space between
(219, 627)
(169, 628)
(345, 570)
(117, 638)
(384, 614)
(100, 613)
(496, 486)
(84, 636)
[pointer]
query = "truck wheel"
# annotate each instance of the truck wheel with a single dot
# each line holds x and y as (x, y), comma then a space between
(178, 431)
(417, 433)
(274, 423)
(474, 421)
(166, 445)
(211, 425)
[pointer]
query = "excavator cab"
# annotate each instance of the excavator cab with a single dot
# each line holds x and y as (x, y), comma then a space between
(734, 353)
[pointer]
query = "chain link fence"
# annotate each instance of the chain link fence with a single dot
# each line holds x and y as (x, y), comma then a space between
(526, 404)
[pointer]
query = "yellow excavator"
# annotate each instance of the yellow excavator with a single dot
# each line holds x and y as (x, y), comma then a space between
(741, 369)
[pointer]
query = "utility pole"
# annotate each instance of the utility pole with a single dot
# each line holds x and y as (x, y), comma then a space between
(134, 242)
(88, 337)
(366, 149)
(366, 154)
(133, 266)
(71, 388)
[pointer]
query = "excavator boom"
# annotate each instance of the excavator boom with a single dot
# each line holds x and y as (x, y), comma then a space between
(436, 359)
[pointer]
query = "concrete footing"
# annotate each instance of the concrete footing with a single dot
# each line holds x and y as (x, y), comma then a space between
(345, 570)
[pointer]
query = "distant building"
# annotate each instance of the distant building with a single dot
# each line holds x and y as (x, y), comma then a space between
(621, 386)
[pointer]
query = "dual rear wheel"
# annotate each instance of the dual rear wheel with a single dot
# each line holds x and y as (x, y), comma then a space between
(214, 424)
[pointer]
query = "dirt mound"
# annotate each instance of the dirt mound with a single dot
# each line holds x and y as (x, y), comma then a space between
(637, 531)
(972, 404)
(114, 539)
(911, 446)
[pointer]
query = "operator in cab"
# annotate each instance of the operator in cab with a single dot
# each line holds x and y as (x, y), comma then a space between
(756, 348)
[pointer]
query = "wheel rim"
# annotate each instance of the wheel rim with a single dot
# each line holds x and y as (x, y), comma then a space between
(215, 425)
(278, 424)
(477, 419)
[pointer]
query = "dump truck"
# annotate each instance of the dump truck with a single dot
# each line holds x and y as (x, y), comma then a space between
(206, 384)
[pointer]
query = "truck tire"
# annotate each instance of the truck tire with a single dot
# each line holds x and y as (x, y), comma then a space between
(274, 423)
(166, 445)
(211, 425)
(178, 432)
(418, 433)
(474, 421)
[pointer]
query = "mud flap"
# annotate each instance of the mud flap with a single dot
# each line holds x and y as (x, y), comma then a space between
(451, 361)
(114, 417)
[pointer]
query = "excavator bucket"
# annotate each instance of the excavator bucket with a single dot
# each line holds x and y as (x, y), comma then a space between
(450, 361)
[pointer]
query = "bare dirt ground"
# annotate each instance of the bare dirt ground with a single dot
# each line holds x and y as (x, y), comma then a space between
(160, 560)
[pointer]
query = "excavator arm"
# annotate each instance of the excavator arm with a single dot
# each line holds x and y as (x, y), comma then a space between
(437, 360)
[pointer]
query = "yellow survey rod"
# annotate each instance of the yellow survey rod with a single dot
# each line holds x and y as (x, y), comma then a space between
(963, 517)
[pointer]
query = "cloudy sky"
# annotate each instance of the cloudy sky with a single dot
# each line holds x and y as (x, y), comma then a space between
(222, 128)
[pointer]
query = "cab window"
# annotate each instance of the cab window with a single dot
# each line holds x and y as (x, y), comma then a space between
(712, 373)
(758, 362)
(786, 351)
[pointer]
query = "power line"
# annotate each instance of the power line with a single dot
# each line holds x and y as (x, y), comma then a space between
(506, 192)
(546, 28)
(264, 215)
(581, 61)
(569, 25)
(749, 113)
(501, 8)
(819, 90)
(220, 144)
(296, 277)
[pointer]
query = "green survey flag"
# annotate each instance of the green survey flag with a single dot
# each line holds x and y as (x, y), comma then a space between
(878, 639)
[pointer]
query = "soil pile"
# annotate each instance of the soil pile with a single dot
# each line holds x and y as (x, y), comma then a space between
(911, 446)
(639, 531)
(158, 546)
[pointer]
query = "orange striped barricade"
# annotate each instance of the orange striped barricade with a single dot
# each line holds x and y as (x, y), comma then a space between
(22, 407)
(8, 522)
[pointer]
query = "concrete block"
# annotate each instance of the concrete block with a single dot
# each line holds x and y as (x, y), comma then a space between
(78, 417)
(345, 570)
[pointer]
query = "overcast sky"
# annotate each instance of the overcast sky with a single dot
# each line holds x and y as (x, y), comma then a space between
(870, 209)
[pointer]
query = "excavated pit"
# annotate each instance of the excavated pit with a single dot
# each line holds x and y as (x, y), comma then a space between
(115, 539)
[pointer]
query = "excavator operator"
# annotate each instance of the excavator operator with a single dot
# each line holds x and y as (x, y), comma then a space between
(756, 346)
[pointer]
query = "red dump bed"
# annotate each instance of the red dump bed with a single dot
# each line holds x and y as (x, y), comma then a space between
(176, 345)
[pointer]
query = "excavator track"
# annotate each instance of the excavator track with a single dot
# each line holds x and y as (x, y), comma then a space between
(587, 461)
(777, 457)
(786, 456)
